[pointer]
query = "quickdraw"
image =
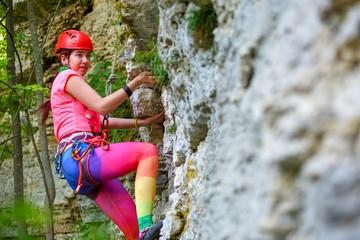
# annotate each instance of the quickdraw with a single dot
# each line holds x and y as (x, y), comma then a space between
(58, 163)
(75, 152)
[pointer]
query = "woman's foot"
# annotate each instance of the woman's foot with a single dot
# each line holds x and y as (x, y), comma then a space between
(151, 232)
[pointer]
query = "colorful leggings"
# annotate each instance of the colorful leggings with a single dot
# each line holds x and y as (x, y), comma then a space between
(101, 170)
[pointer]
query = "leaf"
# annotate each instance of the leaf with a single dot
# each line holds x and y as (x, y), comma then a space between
(97, 68)
(107, 71)
(107, 64)
(94, 55)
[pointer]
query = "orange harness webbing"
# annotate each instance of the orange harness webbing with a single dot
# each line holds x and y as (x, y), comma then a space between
(75, 154)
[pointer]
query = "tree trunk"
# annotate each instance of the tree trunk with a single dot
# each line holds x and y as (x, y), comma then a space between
(43, 136)
(18, 157)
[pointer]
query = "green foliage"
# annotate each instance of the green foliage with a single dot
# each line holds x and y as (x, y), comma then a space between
(23, 44)
(201, 24)
(2, 11)
(31, 89)
(97, 79)
(35, 217)
(91, 231)
(153, 59)
(8, 98)
(3, 59)
(157, 69)
(172, 129)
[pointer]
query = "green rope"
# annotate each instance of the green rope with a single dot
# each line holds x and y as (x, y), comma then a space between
(37, 59)
(111, 78)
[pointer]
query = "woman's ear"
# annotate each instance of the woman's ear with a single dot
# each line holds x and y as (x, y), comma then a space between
(63, 59)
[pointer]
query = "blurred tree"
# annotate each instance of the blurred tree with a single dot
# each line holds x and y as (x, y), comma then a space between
(43, 136)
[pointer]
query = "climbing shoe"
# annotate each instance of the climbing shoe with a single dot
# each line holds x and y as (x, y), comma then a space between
(151, 232)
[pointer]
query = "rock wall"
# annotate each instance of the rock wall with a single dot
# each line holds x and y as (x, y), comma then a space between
(267, 139)
(261, 138)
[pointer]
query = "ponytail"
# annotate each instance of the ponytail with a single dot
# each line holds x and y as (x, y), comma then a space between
(45, 110)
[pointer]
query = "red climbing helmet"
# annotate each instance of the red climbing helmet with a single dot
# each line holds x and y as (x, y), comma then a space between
(73, 39)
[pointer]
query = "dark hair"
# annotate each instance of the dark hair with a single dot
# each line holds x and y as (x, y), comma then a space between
(45, 110)
(64, 51)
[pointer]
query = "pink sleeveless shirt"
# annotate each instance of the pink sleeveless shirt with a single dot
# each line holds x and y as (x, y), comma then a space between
(69, 114)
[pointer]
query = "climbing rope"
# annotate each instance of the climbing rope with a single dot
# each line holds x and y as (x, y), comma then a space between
(112, 77)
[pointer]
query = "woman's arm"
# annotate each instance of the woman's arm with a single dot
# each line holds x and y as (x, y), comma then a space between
(122, 123)
(76, 87)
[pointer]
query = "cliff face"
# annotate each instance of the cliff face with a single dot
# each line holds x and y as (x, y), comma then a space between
(267, 136)
(261, 139)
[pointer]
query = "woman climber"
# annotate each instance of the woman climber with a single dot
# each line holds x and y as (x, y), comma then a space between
(91, 165)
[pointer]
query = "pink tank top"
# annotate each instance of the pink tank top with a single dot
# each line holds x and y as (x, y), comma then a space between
(70, 115)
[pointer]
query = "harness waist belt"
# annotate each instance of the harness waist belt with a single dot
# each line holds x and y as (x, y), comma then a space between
(69, 137)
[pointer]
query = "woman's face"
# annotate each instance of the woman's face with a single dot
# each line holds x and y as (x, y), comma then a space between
(78, 61)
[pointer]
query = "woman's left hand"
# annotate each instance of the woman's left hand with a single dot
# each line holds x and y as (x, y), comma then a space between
(145, 78)
(159, 118)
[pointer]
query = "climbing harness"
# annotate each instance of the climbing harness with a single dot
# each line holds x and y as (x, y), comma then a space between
(75, 153)
(76, 148)
(62, 146)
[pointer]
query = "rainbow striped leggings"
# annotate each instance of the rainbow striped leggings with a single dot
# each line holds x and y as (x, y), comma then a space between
(101, 170)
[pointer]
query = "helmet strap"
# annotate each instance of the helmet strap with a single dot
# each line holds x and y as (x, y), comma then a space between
(68, 59)
(65, 65)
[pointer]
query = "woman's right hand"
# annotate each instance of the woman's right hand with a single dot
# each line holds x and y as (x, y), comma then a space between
(158, 118)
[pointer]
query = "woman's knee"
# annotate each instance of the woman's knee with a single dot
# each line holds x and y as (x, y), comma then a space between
(149, 150)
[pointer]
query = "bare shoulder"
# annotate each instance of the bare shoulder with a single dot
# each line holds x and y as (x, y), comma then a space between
(76, 81)
(75, 78)
(78, 88)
